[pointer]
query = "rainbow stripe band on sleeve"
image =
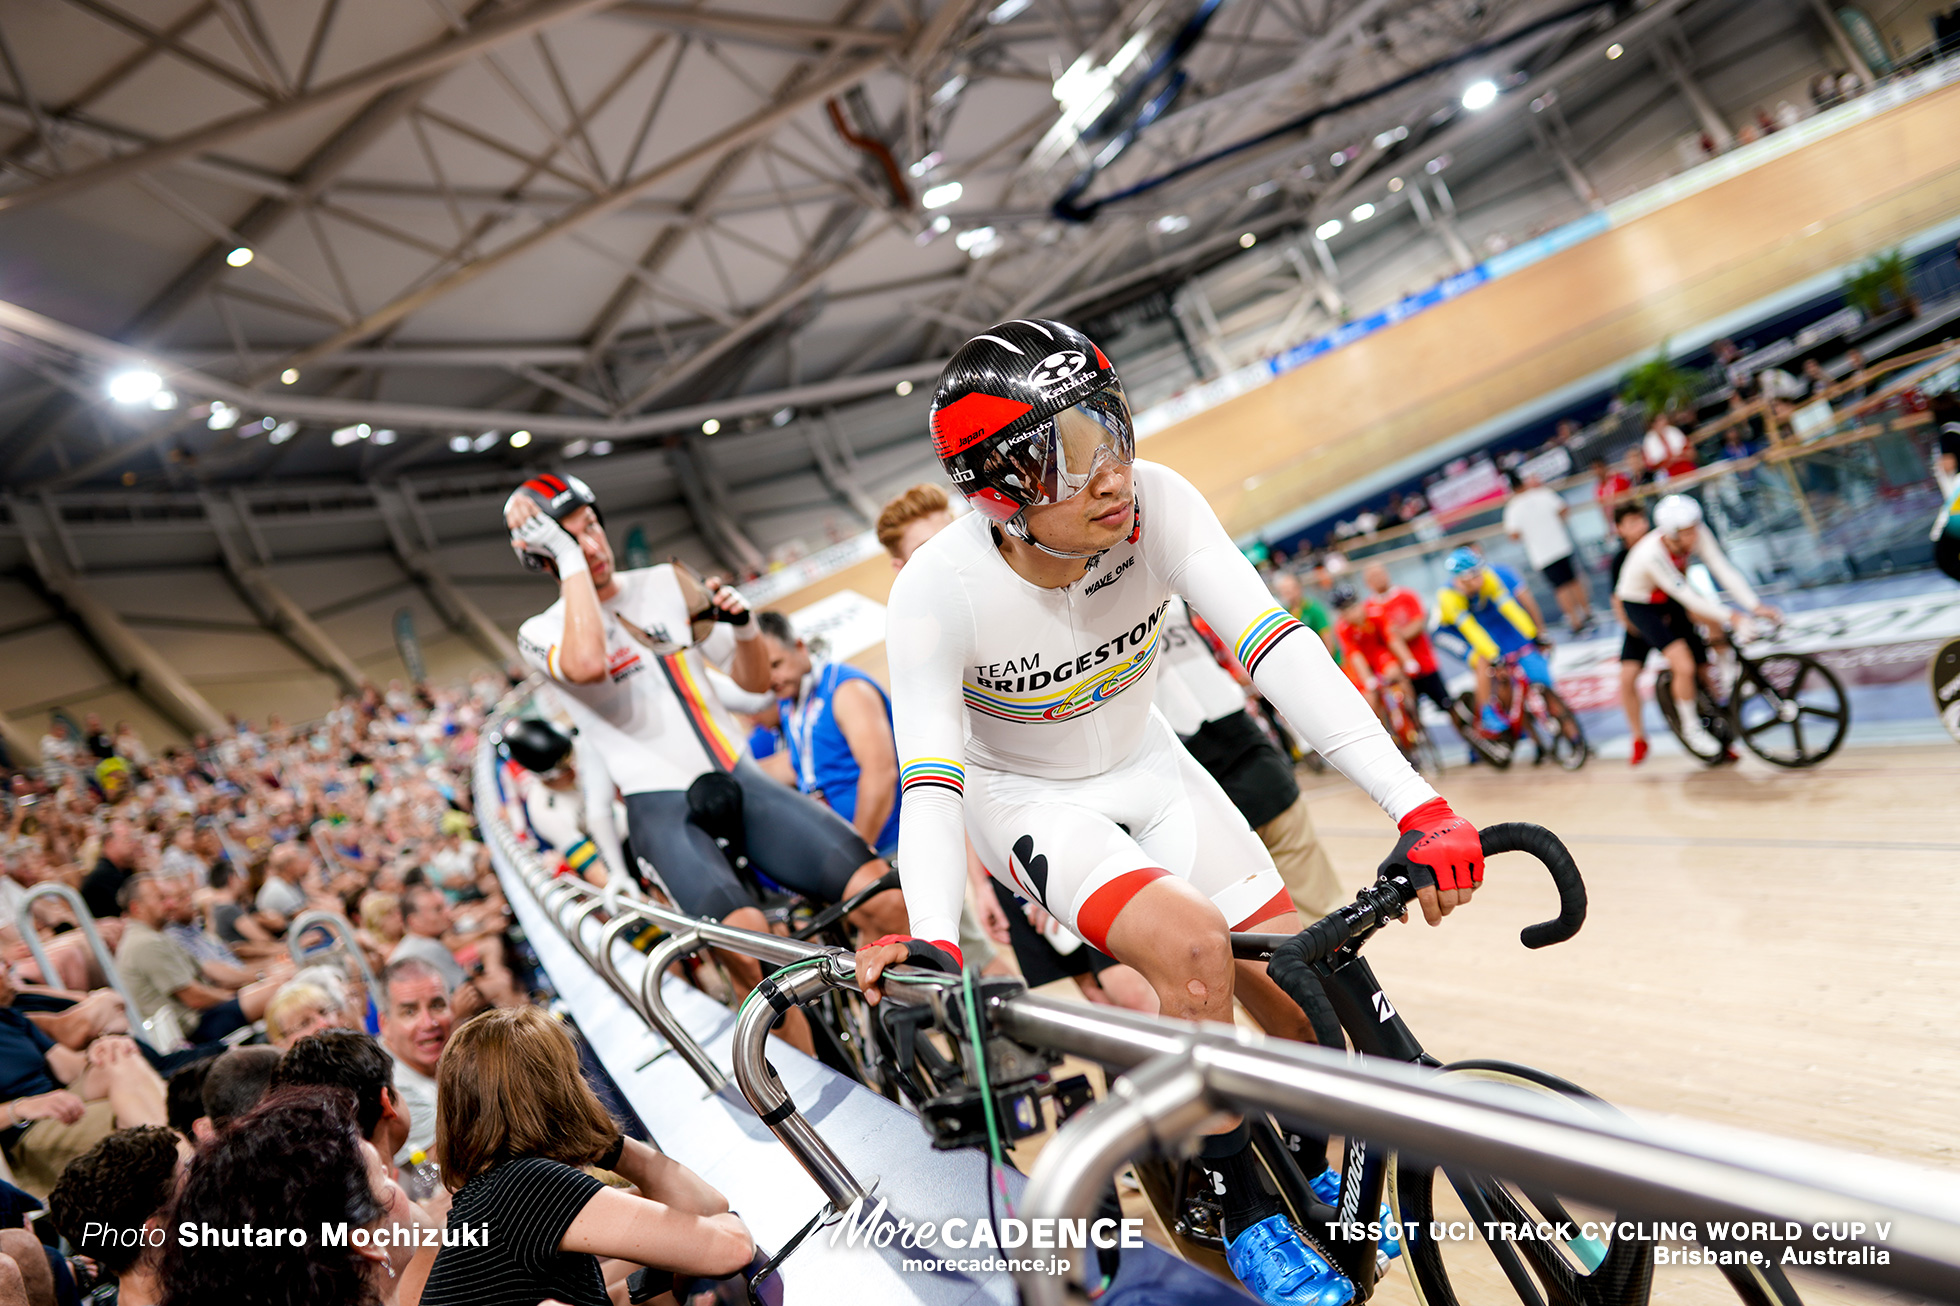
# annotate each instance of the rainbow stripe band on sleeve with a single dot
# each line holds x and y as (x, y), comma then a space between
(1271, 626)
(941, 771)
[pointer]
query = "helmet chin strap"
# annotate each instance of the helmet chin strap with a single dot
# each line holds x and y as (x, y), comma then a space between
(1017, 526)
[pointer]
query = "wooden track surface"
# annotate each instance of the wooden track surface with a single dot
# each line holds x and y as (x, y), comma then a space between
(1764, 949)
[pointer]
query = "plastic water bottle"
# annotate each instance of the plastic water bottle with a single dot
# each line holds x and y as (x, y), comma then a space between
(421, 1177)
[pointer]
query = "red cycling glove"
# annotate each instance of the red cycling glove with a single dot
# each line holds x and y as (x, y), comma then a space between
(1437, 848)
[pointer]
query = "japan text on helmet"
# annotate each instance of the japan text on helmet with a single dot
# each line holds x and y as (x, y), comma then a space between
(1462, 560)
(1024, 415)
(535, 745)
(1676, 512)
(558, 497)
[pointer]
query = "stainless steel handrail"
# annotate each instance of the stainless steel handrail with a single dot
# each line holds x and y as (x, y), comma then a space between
(653, 1003)
(340, 927)
(609, 970)
(24, 922)
(1667, 1170)
(1162, 1101)
(765, 1092)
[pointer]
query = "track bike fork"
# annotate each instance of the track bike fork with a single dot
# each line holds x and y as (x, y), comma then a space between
(1376, 1030)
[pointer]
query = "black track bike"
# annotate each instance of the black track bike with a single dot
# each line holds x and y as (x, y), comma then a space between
(1322, 969)
(1787, 708)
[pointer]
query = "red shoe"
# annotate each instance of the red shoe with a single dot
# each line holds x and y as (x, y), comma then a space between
(1639, 753)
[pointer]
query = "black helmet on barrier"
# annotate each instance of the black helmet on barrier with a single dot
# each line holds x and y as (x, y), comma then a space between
(558, 497)
(1023, 416)
(535, 745)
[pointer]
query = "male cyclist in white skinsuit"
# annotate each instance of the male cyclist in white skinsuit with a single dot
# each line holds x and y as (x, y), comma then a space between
(1022, 642)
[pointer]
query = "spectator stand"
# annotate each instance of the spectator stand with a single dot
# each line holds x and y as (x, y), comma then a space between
(159, 1041)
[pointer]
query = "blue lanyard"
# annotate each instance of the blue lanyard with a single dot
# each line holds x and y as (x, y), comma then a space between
(803, 724)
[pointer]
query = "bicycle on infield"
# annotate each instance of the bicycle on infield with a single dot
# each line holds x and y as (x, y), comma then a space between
(1764, 702)
(1530, 711)
(1400, 710)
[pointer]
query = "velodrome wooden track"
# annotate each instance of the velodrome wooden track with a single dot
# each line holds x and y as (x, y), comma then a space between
(1771, 950)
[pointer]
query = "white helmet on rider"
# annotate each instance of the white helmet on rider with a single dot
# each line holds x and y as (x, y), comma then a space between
(1676, 513)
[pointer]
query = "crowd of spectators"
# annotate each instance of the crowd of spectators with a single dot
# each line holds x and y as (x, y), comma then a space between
(255, 1093)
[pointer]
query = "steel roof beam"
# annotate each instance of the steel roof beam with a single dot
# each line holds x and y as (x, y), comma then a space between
(759, 29)
(435, 57)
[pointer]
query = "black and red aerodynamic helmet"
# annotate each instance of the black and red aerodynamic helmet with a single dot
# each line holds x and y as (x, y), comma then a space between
(1023, 415)
(559, 497)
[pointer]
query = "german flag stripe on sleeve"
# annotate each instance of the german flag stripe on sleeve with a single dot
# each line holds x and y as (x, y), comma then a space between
(940, 771)
(1271, 626)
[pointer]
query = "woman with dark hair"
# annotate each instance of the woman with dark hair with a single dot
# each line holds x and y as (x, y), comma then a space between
(291, 1169)
(514, 1121)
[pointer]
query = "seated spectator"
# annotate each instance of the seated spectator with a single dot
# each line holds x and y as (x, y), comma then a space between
(426, 917)
(230, 922)
(381, 919)
(1816, 380)
(236, 1082)
(124, 1182)
(1665, 450)
(345, 1058)
(300, 1009)
(56, 1102)
(180, 856)
(295, 1162)
(283, 895)
(113, 867)
(517, 1120)
(415, 1025)
(183, 1095)
(168, 985)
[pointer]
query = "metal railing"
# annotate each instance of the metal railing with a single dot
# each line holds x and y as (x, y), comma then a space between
(1182, 1074)
(140, 1026)
(339, 928)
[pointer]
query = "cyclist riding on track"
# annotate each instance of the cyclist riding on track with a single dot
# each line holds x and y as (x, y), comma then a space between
(1023, 642)
(1662, 607)
(1365, 655)
(630, 656)
(1404, 623)
(1489, 606)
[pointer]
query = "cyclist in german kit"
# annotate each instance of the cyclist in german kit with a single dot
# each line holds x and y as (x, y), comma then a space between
(634, 656)
(1023, 641)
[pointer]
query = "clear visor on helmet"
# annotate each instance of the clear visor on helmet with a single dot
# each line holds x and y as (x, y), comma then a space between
(1084, 437)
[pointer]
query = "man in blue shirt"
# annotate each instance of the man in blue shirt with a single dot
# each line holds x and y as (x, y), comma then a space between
(837, 730)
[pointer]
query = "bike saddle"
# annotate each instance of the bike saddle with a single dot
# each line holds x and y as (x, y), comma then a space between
(714, 802)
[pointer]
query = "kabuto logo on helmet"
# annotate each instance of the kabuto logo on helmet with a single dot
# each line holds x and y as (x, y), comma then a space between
(994, 415)
(1058, 367)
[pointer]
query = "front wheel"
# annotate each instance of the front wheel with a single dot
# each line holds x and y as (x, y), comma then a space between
(1568, 738)
(1499, 751)
(1578, 1267)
